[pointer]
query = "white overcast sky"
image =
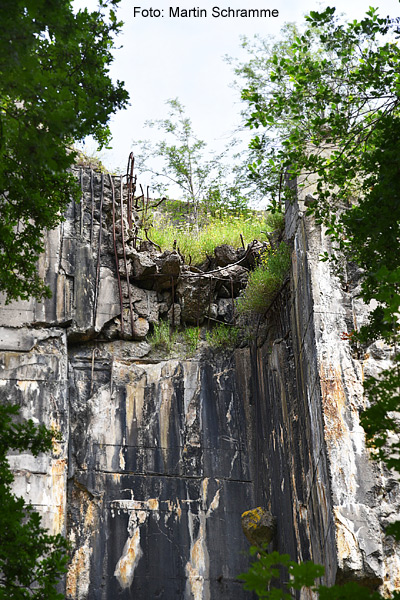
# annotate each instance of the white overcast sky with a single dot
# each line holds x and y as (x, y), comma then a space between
(162, 58)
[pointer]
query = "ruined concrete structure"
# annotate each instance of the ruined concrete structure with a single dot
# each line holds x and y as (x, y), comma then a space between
(161, 456)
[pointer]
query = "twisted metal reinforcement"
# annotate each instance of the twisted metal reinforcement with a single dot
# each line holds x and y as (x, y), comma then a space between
(125, 261)
(116, 254)
(96, 287)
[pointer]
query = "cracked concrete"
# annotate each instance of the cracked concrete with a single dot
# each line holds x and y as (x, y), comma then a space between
(159, 458)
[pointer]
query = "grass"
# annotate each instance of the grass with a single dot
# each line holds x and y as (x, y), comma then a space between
(163, 337)
(216, 231)
(223, 336)
(191, 336)
(275, 221)
(265, 281)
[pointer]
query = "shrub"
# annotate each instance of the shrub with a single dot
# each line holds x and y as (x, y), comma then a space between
(275, 221)
(223, 336)
(265, 281)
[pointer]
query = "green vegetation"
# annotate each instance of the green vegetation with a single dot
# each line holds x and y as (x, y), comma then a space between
(338, 111)
(31, 560)
(265, 281)
(181, 160)
(268, 567)
(330, 112)
(191, 336)
(223, 336)
(275, 221)
(224, 229)
(163, 336)
(55, 89)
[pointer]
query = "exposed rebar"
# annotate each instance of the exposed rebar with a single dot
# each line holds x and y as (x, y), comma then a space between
(81, 181)
(116, 255)
(125, 261)
(96, 287)
(92, 205)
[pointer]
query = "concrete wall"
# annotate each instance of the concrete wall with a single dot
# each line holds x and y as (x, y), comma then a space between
(160, 456)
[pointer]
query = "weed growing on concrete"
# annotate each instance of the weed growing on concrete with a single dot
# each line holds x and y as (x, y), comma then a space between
(191, 336)
(196, 244)
(265, 281)
(163, 337)
(223, 336)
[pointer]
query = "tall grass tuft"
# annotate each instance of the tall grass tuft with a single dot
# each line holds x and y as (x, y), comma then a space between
(163, 337)
(191, 336)
(265, 281)
(223, 336)
(224, 229)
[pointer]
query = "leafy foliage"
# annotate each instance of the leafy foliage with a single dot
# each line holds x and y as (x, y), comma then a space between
(31, 560)
(183, 162)
(256, 74)
(263, 574)
(54, 89)
(269, 567)
(265, 281)
(332, 113)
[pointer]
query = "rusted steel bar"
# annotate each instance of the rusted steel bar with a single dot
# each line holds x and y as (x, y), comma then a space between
(152, 206)
(116, 255)
(131, 191)
(129, 182)
(173, 302)
(92, 203)
(233, 303)
(134, 189)
(151, 241)
(96, 287)
(125, 261)
(127, 177)
(147, 203)
(92, 373)
(209, 303)
(81, 181)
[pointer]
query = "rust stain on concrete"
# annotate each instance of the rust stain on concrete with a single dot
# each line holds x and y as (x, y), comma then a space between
(78, 576)
(58, 490)
(333, 402)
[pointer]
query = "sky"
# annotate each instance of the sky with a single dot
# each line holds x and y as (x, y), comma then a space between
(166, 57)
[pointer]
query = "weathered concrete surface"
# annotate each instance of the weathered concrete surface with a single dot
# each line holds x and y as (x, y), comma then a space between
(342, 478)
(159, 453)
(160, 458)
(33, 374)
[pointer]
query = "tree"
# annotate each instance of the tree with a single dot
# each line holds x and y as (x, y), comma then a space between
(257, 75)
(334, 114)
(54, 89)
(183, 163)
(31, 560)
